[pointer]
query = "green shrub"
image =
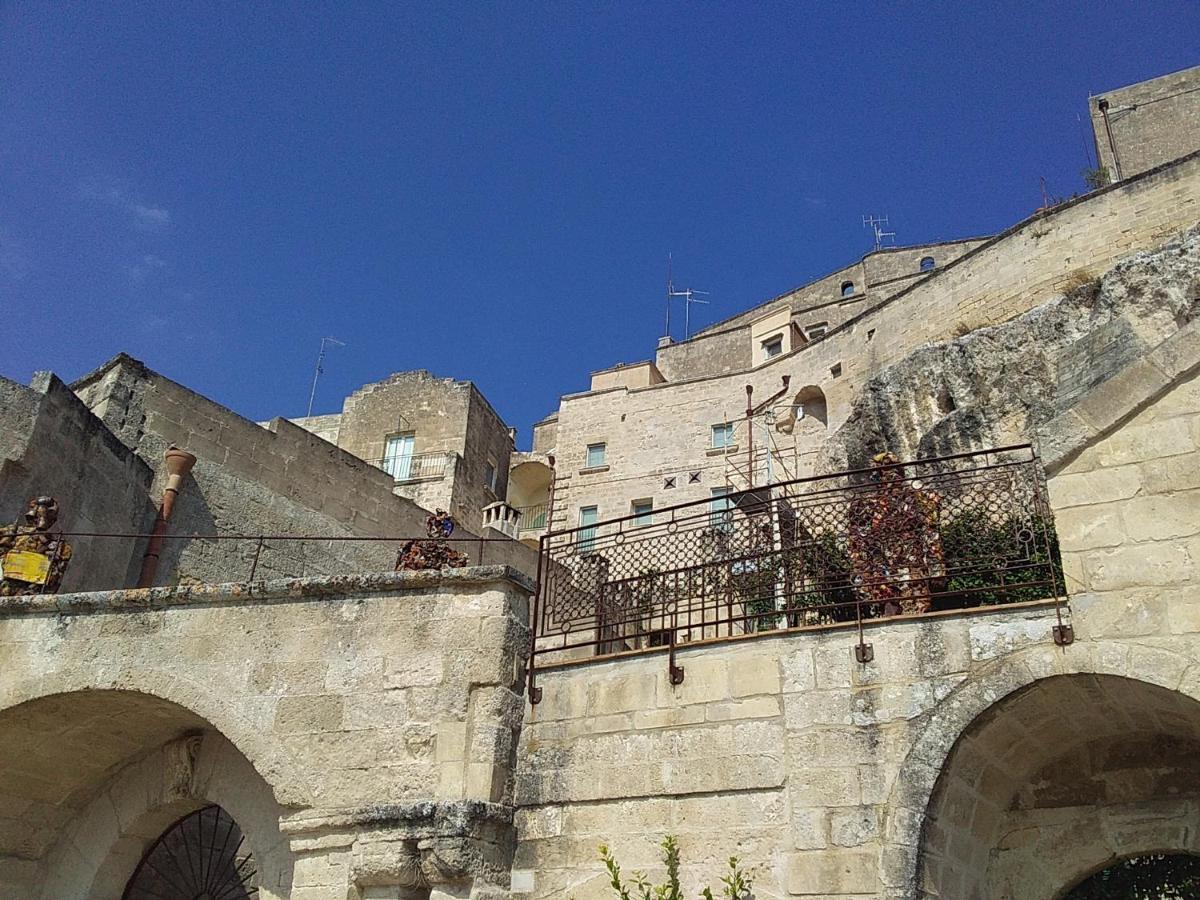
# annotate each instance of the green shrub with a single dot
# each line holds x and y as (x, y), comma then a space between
(736, 885)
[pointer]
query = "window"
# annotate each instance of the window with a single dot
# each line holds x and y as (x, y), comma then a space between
(773, 346)
(720, 515)
(847, 288)
(643, 511)
(595, 455)
(927, 264)
(722, 435)
(587, 535)
(398, 455)
(816, 330)
(489, 476)
(836, 370)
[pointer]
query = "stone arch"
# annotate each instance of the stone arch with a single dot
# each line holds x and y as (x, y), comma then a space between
(272, 763)
(808, 411)
(92, 778)
(1151, 681)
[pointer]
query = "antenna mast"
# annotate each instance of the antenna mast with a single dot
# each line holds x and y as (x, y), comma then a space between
(689, 297)
(875, 223)
(320, 368)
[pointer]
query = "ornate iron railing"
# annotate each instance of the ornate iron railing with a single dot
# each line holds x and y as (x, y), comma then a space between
(894, 539)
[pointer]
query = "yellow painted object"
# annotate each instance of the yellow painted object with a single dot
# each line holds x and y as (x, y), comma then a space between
(25, 565)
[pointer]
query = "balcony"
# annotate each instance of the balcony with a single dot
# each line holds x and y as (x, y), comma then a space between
(533, 518)
(416, 467)
(889, 541)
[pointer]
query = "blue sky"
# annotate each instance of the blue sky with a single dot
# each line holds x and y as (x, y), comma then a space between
(490, 191)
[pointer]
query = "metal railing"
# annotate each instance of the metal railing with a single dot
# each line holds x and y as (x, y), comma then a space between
(416, 467)
(533, 518)
(894, 539)
(242, 558)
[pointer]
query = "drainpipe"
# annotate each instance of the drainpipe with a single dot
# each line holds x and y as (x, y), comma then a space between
(179, 463)
(1102, 104)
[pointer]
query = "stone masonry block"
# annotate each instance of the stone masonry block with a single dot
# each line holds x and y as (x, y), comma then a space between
(818, 872)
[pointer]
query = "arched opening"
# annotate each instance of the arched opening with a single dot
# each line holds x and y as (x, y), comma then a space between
(1154, 876)
(847, 288)
(94, 779)
(529, 491)
(807, 412)
(927, 263)
(201, 855)
(1059, 780)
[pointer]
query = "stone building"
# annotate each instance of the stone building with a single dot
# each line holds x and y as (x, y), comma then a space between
(99, 446)
(439, 439)
(973, 673)
(1145, 125)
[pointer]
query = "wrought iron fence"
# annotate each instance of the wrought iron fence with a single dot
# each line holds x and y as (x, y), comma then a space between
(894, 539)
(414, 467)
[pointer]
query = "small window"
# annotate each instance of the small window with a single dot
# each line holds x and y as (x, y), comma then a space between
(595, 455)
(587, 530)
(773, 346)
(816, 330)
(720, 515)
(643, 511)
(489, 476)
(722, 435)
(847, 288)
(835, 370)
(927, 264)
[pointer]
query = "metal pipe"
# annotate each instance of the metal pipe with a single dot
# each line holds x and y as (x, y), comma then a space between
(1102, 104)
(179, 464)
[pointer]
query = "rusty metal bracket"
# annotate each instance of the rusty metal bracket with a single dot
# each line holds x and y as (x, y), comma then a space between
(864, 652)
(1064, 635)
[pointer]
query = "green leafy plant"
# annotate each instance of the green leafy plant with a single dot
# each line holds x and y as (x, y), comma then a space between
(1096, 178)
(736, 884)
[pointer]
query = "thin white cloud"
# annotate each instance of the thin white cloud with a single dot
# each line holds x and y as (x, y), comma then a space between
(119, 194)
(141, 270)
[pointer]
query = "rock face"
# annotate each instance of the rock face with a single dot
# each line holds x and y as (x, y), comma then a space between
(996, 385)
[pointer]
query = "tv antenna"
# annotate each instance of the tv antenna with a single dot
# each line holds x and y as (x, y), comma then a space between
(689, 296)
(320, 369)
(876, 223)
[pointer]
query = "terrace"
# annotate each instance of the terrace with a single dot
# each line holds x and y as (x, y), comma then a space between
(894, 540)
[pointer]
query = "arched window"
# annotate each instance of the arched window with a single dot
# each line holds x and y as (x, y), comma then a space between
(847, 288)
(927, 264)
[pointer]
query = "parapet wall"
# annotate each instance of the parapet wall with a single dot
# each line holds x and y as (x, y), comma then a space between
(51, 444)
(382, 712)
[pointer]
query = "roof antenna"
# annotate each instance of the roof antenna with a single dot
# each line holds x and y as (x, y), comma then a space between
(320, 369)
(875, 223)
(689, 297)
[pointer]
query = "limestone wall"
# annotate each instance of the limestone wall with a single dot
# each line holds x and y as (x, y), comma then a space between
(251, 480)
(50, 444)
(1152, 122)
(379, 712)
(661, 431)
(948, 765)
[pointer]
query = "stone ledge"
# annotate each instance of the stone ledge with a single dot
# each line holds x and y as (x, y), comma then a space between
(452, 818)
(278, 590)
(1136, 386)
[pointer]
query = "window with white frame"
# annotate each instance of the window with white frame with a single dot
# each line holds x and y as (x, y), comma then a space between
(772, 346)
(489, 476)
(595, 455)
(643, 513)
(722, 436)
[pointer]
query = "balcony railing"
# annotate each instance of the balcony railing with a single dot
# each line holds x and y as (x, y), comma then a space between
(414, 467)
(894, 539)
(533, 518)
